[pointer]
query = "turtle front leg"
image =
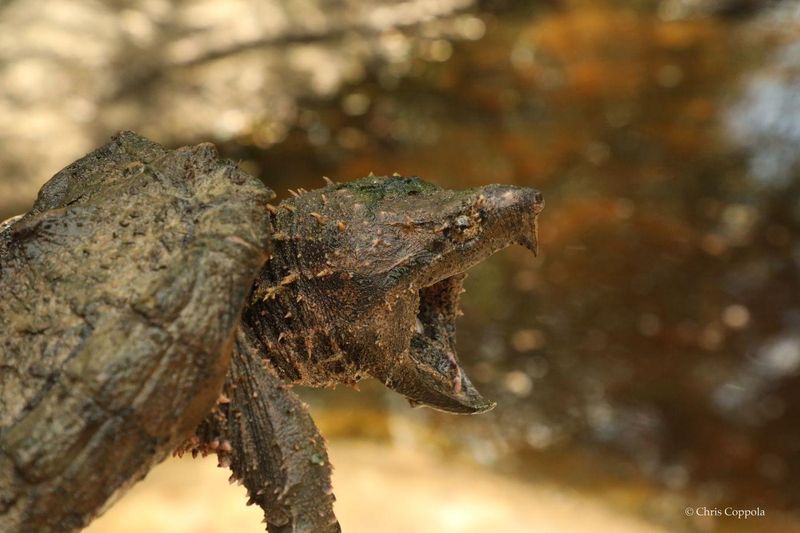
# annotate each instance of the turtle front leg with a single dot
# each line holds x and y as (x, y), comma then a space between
(264, 433)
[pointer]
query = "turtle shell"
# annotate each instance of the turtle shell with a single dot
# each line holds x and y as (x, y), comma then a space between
(120, 293)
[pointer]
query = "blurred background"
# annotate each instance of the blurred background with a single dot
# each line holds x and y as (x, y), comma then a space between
(647, 361)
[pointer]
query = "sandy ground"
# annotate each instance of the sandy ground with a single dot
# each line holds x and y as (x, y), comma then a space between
(380, 489)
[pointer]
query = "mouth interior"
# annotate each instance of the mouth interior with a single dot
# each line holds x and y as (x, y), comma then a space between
(433, 344)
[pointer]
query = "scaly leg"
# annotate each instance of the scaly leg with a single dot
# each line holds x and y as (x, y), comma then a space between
(264, 432)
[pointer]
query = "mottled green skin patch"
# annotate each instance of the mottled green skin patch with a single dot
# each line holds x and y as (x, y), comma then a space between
(374, 190)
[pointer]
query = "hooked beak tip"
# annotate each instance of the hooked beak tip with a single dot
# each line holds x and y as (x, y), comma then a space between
(531, 243)
(518, 208)
(538, 202)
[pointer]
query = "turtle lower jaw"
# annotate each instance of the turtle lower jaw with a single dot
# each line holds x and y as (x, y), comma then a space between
(454, 394)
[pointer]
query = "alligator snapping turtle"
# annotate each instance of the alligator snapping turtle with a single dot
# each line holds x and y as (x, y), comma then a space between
(153, 301)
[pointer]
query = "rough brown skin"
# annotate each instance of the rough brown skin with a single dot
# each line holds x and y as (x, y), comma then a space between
(363, 281)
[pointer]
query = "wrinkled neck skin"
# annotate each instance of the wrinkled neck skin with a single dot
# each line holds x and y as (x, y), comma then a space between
(291, 318)
(364, 281)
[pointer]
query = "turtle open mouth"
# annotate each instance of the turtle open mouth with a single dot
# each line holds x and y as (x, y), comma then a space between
(427, 242)
(433, 350)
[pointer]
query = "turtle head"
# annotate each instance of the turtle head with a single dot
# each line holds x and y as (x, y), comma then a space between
(369, 274)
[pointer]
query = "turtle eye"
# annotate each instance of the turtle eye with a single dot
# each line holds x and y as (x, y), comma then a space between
(466, 227)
